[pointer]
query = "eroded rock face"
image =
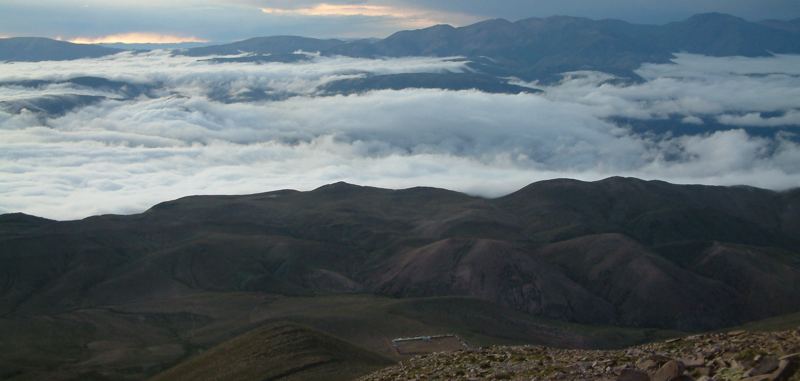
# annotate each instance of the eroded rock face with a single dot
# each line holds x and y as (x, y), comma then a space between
(738, 355)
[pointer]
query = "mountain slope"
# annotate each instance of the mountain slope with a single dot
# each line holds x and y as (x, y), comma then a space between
(278, 352)
(44, 49)
(561, 249)
(279, 45)
(735, 355)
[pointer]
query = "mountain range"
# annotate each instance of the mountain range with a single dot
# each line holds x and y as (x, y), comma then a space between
(704, 257)
(345, 259)
(531, 49)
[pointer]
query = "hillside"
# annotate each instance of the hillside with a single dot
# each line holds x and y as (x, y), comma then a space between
(562, 263)
(278, 352)
(561, 249)
(735, 355)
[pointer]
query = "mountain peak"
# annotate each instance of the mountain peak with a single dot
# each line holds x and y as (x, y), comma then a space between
(440, 27)
(337, 187)
(714, 17)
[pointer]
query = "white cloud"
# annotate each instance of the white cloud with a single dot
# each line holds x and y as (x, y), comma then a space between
(692, 86)
(123, 156)
(136, 38)
(691, 119)
(791, 117)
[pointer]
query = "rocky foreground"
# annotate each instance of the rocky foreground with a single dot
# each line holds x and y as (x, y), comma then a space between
(738, 355)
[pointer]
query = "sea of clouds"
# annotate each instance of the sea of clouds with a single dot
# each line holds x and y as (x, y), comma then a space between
(122, 155)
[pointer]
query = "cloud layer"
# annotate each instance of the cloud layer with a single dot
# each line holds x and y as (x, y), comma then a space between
(123, 155)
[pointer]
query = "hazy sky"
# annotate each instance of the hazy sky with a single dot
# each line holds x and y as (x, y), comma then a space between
(221, 20)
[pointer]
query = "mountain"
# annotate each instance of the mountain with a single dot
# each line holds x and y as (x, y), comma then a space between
(44, 49)
(266, 45)
(543, 48)
(562, 262)
(618, 251)
(717, 34)
(532, 49)
(539, 48)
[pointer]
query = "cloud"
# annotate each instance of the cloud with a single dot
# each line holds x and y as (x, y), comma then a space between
(135, 38)
(692, 120)
(789, 118)
(407, 16)
(694, 86)
(123, 155)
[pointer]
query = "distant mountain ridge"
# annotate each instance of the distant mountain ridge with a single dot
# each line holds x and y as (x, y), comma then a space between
(532, 49)
(266, 45)
(45, 49)
(542, 48)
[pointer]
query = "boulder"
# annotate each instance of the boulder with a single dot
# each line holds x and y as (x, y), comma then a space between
(669, 371)
(764, 365)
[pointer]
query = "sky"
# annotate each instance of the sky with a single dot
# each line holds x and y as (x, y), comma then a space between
(195, 132)
(165, 21)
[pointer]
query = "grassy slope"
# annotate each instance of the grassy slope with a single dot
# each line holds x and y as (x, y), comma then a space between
(278, 352)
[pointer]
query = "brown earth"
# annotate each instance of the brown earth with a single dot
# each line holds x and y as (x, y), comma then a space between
(729, 356)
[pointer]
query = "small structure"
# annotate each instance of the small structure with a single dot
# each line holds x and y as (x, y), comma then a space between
(428, 344)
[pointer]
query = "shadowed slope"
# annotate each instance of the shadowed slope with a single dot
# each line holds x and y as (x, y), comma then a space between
(545, 250)
(278, 352)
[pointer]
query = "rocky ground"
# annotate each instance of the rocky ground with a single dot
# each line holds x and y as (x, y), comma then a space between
(737, 355)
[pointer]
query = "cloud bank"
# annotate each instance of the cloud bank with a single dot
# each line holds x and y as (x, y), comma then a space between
(122, 155)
